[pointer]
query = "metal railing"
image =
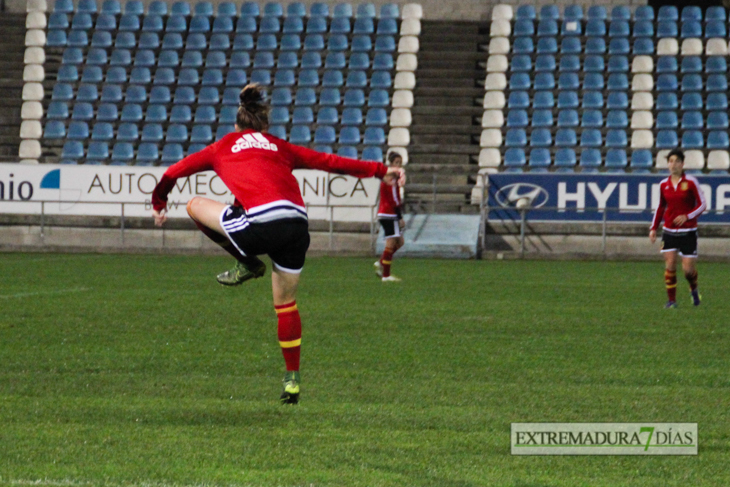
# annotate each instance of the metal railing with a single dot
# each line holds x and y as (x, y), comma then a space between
(123, 217)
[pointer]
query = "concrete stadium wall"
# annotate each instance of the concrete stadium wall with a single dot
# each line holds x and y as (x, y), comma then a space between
(432, 9)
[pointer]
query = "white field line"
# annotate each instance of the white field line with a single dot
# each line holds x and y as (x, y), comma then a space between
(86, 483)
(43, 293)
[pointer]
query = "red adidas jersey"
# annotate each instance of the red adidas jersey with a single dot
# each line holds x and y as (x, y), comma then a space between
(390, 205)
(686, 198)
(257, 168)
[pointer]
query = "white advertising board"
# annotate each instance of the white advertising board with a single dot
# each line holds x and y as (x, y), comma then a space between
(99, 190)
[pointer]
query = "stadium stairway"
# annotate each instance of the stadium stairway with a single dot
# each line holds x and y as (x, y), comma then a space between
(12, 48)
(445, 132)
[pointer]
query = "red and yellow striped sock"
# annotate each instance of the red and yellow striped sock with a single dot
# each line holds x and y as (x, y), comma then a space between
(670, 279)
(290, 334)
(386, 260)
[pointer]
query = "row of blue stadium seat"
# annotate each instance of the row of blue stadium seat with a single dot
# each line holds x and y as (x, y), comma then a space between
(592, 118)
(598, 12)
(593, 45)
(568, 81)
(209, 95)
(180, 24)
(207, 114)
(565, 157)
(616, 100)
(213, 59)
(121, 58)
(619, 28)
(203, 133)
(331, 78)
(149, 153)
(615, 64)
(266, 42)
(615, 82)
(251, 9)
(615, 138)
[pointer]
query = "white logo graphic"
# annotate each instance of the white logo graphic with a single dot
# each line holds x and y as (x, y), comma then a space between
(510, 195)
(255, 141)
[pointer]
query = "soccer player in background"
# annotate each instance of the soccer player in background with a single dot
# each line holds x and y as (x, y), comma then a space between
(681, 202)
(268, 215)
(390, 216)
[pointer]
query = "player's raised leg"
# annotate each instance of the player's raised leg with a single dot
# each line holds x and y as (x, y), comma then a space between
(690, 273)
(670, 277)
(284, 286)
(206, 214)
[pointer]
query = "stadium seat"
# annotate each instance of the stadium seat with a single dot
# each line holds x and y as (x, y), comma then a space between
(616, 158)
(137, 94)
(618, 28)
(156, 114)
(592, 100)
(300, 134)
(212, 77)
(307, 97)
(591, 138)
(131, 113)
(325, 116)
(181, 114)
(514, 138)
(616, 138)
(171, 153)
(691, 101)
(590, 158)
(565, 137)
(667, 120)
(201, 134)
(567, 99)
(98, 151)
(595, 45)
(692, 139)
(540, 157)
(666, 139)
(543, 99)
(718, 139)
(304, 115)
(517, 119)
(619, 46)
(240, 60)
(592, 119)
(717, 120)
(565, 158)
(176, 133)
(514, 157)
(547, 45)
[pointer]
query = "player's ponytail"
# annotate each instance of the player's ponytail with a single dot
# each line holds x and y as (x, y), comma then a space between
(253, 111)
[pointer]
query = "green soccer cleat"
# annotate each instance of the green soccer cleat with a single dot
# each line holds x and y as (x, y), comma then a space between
(290, 394)
(670, 305)
(241, 273)
(696, 297)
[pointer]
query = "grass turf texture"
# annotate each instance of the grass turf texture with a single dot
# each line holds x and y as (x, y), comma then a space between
(141, 370)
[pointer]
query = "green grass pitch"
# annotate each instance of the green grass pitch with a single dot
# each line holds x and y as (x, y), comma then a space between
(140, 370)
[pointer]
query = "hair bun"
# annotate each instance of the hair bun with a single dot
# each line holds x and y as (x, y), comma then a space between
(251, 95)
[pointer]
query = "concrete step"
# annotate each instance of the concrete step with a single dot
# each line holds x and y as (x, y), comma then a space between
(423, 129)
(441, 168)
(447, 91)
(444, 149)
(441, 139)
(451, 101)
(469, 111)
(455, 119)
(441, 159)
(458, 52)
(460, 83)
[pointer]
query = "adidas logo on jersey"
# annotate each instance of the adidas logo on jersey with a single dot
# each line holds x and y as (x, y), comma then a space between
(255, 141)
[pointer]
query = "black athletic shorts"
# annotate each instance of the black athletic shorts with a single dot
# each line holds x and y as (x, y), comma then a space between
(390, 227)
(685, 243)
(286, 241)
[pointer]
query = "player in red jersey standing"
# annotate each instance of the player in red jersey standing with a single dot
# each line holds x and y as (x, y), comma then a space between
(390, 216)
(268, 215)
(681, 202)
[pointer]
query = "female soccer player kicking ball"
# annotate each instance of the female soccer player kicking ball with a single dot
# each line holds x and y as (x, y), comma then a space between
(390, 216)
(268, 215)
(681, 202)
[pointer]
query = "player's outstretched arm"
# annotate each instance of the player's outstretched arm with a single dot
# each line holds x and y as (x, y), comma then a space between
(160, 217)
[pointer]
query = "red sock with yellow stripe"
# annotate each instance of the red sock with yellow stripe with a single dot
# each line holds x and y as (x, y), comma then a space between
(290, 334)
(670, 279)
(386, 260)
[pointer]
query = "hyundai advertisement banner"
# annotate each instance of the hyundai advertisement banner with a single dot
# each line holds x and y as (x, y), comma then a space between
(99, 190)
(583, 197)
